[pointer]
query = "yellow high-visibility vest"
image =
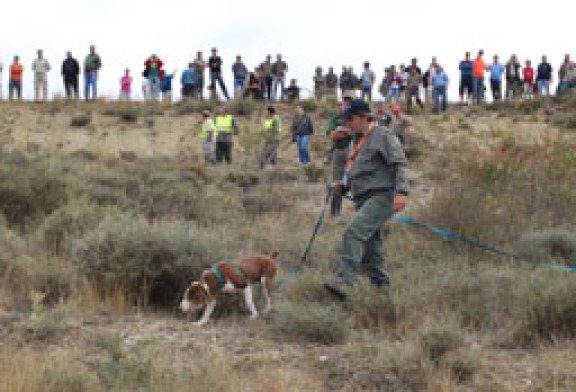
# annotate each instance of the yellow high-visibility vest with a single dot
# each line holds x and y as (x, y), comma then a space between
(269, 125)
(224, 124)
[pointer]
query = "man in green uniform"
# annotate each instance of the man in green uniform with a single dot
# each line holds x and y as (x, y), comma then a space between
(271, 134)
(377, 177)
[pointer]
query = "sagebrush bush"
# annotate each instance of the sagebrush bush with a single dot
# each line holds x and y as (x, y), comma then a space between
(151, 262)
(437, 340)
(305, 288)
(309, 105)
(243, 107)
(371, 308)
(309, 322)
(28, 193)
(549, 245)
(80, 120)
(70, 221)
(128, 114)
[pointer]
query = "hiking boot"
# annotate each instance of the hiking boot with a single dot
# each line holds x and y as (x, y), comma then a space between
(338, 288)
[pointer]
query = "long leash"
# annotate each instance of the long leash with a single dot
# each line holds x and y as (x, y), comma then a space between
(292, 272)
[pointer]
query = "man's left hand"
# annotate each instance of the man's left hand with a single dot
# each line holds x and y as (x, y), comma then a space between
(399, 202)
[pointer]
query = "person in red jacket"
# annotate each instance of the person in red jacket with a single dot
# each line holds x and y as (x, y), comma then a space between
(153, 72)
(528, 75)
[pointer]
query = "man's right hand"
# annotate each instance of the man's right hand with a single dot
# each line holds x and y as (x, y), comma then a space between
(340, 132)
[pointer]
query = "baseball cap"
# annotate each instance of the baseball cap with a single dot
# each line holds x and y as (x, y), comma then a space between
(357, 107)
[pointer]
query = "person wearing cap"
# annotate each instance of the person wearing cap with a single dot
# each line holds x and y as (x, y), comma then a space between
(302, 128)
(225, 127)
(377, 178)
(413, 89)
(207, 134)
(319, 83)
(271, 134)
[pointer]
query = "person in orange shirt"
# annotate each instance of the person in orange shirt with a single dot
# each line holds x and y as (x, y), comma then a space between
(478, 74)
(15, 82)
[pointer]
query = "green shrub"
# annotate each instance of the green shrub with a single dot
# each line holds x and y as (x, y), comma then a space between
(462, 366)
(192, 106)
(243, 107)
(309, 105)
(68, 222)
(30, 192)
(80, 120)
(151, 262)
(306, 288)
(309, 322)
(549, 245)
(270, 200)
(128, 114)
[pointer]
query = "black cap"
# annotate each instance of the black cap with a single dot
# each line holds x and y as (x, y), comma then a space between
(357, 107)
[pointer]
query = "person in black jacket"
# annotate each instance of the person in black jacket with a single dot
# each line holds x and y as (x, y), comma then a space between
(70, 73)
(302, 128)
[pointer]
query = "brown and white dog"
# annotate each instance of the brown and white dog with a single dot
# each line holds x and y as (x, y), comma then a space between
(231, 277)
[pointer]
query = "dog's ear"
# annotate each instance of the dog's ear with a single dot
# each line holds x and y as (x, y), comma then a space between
(197, 294)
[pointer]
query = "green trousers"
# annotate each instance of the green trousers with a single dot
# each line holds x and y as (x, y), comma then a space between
(362, 241)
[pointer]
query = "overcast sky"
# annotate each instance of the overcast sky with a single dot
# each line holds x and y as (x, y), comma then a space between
(307, 33)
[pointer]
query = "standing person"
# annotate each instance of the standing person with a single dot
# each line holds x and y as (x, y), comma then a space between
(478, 74)
(544, 76)
(267, 78)
(271, 129)
(332, 83)
(153, 70)
(563, 81)
(440, 84)
(166, 83)
(302, 128)
(394, 82)
(293, 91)
(199, 67)
(466, 79)
(40, 67)
(226, 127)
(377, 177)
(279, 70)
(381, 117)
(215, 70)
(513, 78)
(208, 136)
(346, 82)
(400, 123)
(15, 81)
(367, 80)
(92, 64)
(413, 89)
(319, 83)
(188, 81)
(252, 89)
(403, 74)
(496, 70)
(240, 73)
(70, 74)
(528, 75)
(427, 81)
(125, 86)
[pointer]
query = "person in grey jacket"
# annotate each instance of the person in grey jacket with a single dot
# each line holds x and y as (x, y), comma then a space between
(302, 128)
(377, 177)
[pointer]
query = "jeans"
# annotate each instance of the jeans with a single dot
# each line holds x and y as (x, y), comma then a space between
(302, 144)
(439, 93)
(239, 84)
(154, 83)
(90, 81)
(217, 77)
(366, 92)
(543, 87)
(478, 86)
(362, 241)
(14, 86)
(496, 87)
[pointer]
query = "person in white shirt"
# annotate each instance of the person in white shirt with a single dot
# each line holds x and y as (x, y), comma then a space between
(40, 67)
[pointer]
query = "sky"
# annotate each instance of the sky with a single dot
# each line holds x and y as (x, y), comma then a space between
(306, 33)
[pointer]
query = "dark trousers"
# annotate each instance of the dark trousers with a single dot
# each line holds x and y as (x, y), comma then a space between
(217, 77)
(496, 87)
(71, 86)
(224, 152)
(413, 92)
(267, 90)
(188, 91)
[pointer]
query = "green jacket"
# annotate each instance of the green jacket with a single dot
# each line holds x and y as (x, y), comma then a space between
(380, 165)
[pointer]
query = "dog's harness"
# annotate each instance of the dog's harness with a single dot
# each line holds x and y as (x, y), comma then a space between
(220, 277)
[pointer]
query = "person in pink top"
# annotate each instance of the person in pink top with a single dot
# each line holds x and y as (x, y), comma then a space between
(528, 75)
(125, 86)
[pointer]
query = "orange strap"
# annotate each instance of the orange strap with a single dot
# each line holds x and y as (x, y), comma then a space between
(357, 147)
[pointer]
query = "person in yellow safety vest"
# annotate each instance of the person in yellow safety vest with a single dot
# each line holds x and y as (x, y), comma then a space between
(225, 127)
(271, 133)
(207, 134)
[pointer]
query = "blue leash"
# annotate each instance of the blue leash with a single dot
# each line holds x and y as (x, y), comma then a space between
(457, 237)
